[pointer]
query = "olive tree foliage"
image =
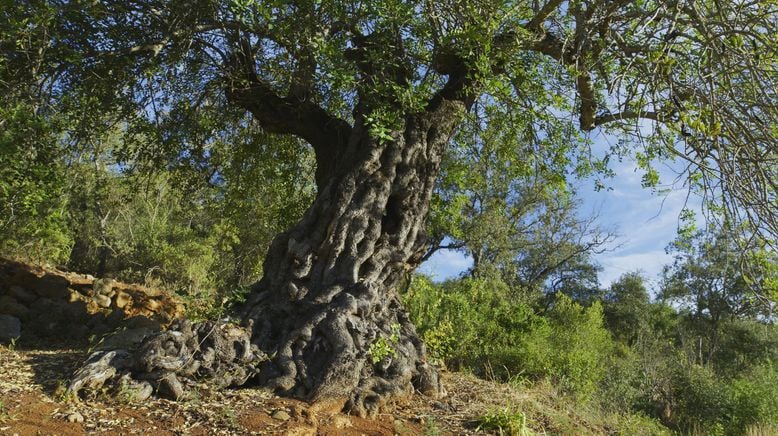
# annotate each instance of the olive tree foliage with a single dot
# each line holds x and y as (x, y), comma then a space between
(704, 71)
(378, 89)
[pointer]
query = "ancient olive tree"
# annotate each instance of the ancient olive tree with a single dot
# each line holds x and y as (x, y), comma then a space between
(378, 88)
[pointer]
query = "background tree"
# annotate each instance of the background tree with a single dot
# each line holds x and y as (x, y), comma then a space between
(711, 284)
(378, 89)
(627, 307)
(513, 211)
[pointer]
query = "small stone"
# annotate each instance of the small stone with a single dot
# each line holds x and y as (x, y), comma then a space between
(10, 328)
(153, 305)
(340, 421)
(280, 415)
(75, 417)
(102, 286)
(123, 300)
(102, 300)
(9, 306)
(52, 286)
(22, 294)
(74, 296)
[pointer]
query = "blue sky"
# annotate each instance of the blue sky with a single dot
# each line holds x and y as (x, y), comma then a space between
(646, 223)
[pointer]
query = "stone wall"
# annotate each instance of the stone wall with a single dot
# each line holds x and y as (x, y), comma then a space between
(38, 303)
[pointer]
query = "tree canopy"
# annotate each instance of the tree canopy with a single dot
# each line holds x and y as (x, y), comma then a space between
(400, 103)
(694, 81)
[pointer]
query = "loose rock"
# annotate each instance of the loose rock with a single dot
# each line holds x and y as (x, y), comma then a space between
(123, 300)
(102, 300)
(10, 328)
(280, 415)
(9, 306)
(102, 286)
(22, 294)
(52, 286)
(75, 417)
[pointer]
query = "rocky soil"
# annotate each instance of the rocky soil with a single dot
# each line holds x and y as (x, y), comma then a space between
(33, 402)
(50, 321)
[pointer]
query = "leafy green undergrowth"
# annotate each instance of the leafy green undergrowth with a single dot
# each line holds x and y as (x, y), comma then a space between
(505, 422)
(612, 366)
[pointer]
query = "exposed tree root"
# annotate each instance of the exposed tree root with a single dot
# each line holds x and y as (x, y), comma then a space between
(355, 353)
(170, 362)
(358, 350)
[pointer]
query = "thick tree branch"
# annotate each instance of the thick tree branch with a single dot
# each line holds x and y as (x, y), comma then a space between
(326, 133)
(302, 79)
(552, 46)
(537, 21)
(459, 87)
(287, 115)
(588, 105)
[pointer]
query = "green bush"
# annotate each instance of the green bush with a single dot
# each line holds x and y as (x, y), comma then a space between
(570, 345)
(622, 387)
(505, 422)
(470, 322)
(700, 398)
(478, 324)
(33, 209)
(754, 400)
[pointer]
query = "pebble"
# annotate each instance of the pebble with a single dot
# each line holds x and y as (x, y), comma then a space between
(122, 299)
(76, 417)
(342, 421)
(280, 415)
(102, 300)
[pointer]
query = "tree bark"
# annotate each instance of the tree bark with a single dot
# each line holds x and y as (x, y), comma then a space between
(327, 308)
(326, 322)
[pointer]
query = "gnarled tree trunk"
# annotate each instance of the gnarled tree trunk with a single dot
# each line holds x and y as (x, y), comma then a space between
(327, 307)
(326, 322)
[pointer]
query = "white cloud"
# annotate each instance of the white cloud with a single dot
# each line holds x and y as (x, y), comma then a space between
(645, 221)
(446, 264)
(648, 263)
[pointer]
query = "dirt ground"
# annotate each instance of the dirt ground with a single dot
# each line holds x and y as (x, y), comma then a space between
(32, 402)
(35, 372)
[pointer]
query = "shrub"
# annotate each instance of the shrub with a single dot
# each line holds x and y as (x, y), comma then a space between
(471, 323)
(754, 400)
(33, 214)
(475, 323)
(577, 347)
(701, 400)
(505, 422)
